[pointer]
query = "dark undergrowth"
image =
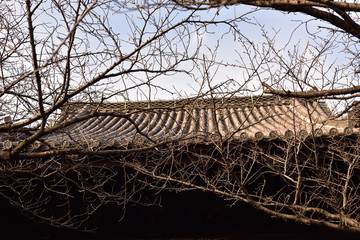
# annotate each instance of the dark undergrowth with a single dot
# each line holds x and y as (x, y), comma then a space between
(187, 215)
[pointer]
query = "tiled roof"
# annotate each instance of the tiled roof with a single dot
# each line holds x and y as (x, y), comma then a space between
(199, 120)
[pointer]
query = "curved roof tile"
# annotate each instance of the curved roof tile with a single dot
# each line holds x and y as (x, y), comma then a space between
(201, 117)
(242, 118)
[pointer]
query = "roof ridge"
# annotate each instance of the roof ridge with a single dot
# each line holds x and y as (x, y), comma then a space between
(218, 102)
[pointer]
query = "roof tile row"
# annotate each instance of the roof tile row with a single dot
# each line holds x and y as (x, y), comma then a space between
(199, 120)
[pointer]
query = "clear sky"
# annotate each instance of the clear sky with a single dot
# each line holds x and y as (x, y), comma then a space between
(290, 35)
(229, 58)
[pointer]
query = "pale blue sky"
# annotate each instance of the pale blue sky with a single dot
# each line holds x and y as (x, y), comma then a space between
(230, 52)
(289, 32)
